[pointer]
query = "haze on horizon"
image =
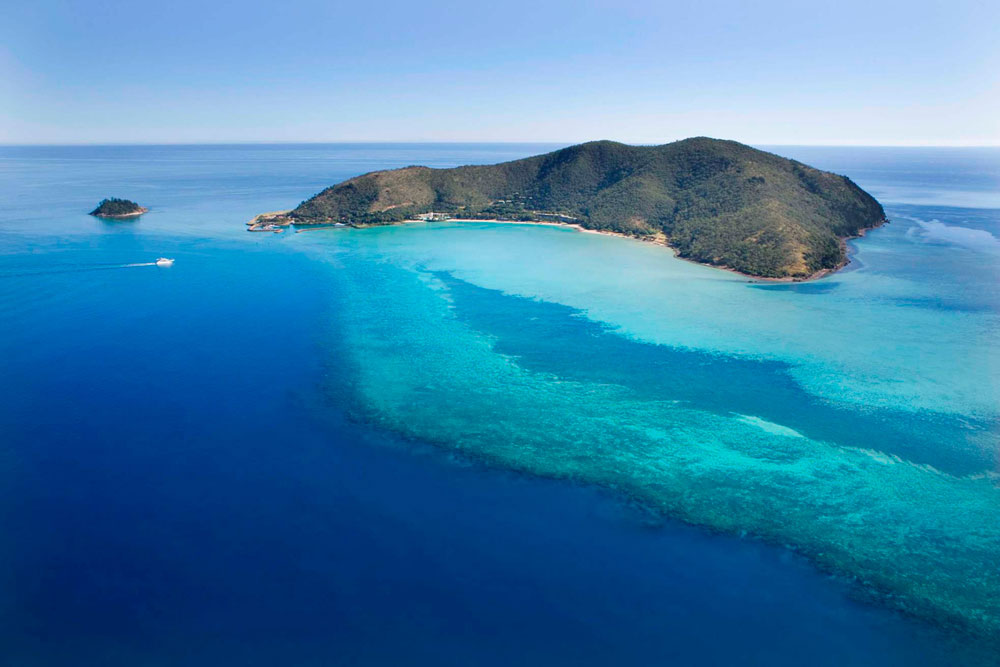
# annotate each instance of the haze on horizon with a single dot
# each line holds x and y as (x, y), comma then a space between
(877, 73)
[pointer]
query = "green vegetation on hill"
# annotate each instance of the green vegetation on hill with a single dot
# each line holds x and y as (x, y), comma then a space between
(117, 208)
(717, 202)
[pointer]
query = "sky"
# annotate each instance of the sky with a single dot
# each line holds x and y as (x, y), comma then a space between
(765, 72)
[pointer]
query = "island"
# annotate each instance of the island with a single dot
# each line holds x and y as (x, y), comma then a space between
(713, 201)
(113, 207)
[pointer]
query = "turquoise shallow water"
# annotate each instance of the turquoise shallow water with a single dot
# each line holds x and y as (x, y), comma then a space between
(228, 459)
(791, 428)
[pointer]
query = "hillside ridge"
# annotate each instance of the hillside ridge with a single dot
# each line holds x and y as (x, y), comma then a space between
(715, 201)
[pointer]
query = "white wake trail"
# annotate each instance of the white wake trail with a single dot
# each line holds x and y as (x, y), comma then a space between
(70, 269)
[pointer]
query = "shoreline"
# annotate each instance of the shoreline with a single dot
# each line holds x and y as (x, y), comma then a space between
(276, 221)
(661, 241)
(134, 214)
(272, 221)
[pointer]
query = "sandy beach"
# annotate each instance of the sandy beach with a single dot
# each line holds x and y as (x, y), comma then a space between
(660, 240)
(271, 220)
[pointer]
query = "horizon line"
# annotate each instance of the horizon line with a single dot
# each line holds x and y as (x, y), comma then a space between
(109, 144)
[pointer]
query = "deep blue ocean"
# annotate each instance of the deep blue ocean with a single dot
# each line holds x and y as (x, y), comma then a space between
(487, 444)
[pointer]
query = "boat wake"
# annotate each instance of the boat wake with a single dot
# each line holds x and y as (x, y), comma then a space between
(79, 268)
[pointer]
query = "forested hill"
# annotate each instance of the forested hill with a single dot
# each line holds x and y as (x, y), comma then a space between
(717, 202)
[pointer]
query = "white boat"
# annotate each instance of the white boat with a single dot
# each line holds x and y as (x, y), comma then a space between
(164, 261)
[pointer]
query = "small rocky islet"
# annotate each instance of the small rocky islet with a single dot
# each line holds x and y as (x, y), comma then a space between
(114, 207)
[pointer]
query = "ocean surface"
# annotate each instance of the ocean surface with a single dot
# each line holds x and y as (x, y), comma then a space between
(487, 444)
